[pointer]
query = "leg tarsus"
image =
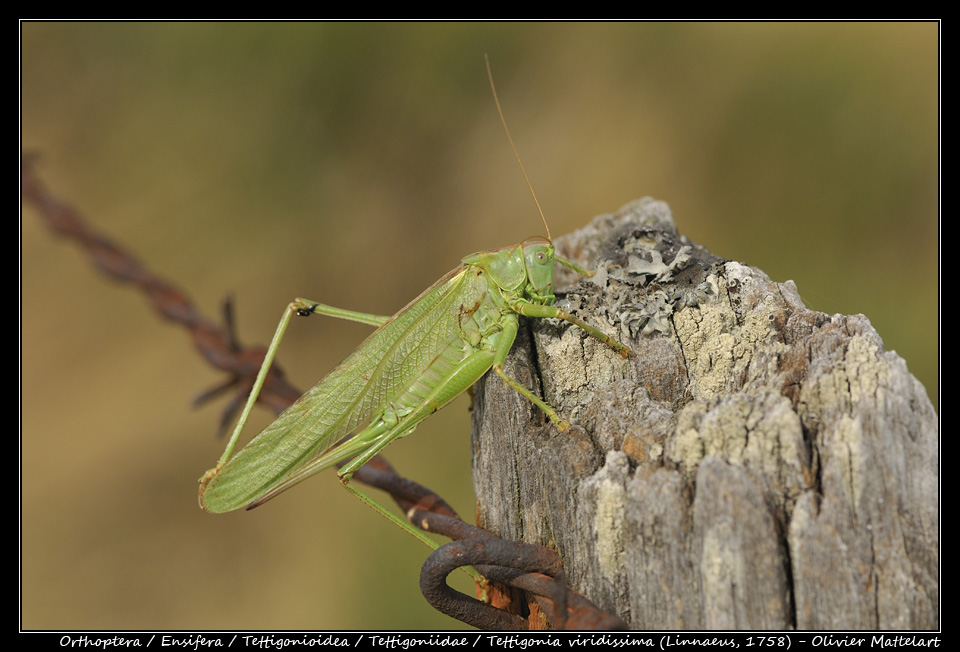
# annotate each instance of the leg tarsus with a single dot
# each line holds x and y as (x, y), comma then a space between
(533, 398)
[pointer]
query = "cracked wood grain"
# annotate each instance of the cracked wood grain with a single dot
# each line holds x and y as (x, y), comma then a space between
(758, 465)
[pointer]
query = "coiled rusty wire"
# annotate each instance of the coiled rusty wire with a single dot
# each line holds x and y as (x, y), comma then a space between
(540, 598)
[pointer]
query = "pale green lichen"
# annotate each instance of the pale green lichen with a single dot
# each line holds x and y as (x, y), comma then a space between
(609, 485)
(761, 433)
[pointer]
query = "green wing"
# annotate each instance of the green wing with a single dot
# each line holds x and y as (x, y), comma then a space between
(378, 374)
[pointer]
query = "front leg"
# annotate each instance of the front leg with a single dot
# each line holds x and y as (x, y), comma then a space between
(552, 312)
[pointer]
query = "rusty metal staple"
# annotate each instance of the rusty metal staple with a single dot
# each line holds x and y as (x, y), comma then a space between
(533, 569)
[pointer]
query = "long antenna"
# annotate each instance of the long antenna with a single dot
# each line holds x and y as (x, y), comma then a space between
(515, 152)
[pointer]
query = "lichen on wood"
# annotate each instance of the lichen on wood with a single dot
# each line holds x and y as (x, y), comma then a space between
(757, 465)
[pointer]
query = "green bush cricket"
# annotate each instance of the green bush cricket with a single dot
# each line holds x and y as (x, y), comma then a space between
(414, 363)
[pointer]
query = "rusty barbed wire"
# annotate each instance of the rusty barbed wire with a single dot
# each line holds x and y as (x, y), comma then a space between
(533, 570)
(218, 346)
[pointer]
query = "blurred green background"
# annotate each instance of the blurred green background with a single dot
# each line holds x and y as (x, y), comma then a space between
(357, 163)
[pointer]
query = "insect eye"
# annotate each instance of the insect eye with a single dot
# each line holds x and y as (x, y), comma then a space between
(541, 256)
